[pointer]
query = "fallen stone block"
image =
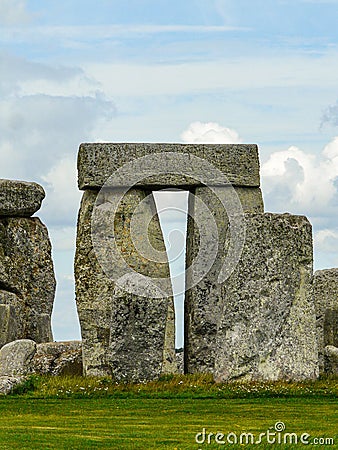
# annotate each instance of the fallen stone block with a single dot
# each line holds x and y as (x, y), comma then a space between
(58, 358)
(16, 358)
(8, 383)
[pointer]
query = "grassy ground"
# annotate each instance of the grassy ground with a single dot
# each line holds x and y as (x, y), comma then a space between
(77, 413)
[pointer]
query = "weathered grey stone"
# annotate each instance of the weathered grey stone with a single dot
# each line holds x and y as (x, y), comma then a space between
(97, 269)
(238, 162)
(250, 198)
(138, 326)
(93, 294)
(8, 322)
(27, 275)
(20, 198)
(180, 361)
(325, 297)
(267, 326)
(331, 359)
(16, 357)
(24, 356)
(331, 327)
(169, 364)
(203, 299)
(242, 327)
(249, 313)
(58, 358)
(8, 383)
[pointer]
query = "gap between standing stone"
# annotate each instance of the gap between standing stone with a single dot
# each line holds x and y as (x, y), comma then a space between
(172, 207)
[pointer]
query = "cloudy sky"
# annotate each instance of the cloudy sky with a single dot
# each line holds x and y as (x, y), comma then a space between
(250, 71)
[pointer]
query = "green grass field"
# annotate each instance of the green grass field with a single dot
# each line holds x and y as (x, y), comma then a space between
(75, 413)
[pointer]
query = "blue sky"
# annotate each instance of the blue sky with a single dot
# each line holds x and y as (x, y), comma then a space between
(260, 72)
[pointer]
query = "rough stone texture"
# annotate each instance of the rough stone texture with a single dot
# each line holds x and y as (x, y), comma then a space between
(203, 302)
(239, 162)
(24, 356)
(58, 358)
(331, 359)
(20, 198)
(8, 383)
(267, 326)
(16, 357)
(27, 280)
(180, 361)
(107, 309)
(331, 327)
(325, 297)
(249, 312)
(251, 199)
(8, 320)
(138, 328)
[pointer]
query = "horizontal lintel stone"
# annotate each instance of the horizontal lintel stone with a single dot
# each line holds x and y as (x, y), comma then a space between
(170, 165)
(20, 198)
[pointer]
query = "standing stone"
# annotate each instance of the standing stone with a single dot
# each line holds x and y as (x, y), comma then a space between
(20, 198)
(8, 321)
(267, 326)
(112, 299)
(27, 280)
(204, 302)
(138, 326)
(331, 359)
(97, 268)
(325, 297)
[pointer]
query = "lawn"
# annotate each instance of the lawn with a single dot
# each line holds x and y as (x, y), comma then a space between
(50, 416)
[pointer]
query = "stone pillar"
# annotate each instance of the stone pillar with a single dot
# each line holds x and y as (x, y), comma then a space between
(8, 321)
(127, 322)
(325, 297)
(27, 281)
(267, 326)
(108, 309)
(204, 302)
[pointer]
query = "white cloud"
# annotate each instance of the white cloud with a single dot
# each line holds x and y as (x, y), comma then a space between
(63, 239)
(23, 78)
(330, 115)
(167, 199)
(41, 129)
(62, 201)
(45, 112)
(209, 132)
(79, 36)
(301, 182)
(14, 12)
(326, 247)
(326, 240)
(132, 79)
(65, 322)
